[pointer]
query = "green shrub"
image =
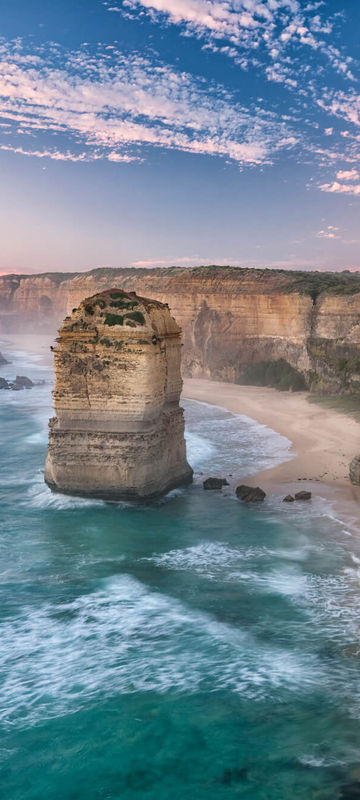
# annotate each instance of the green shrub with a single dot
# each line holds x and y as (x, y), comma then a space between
(278, 374)
(119, 344)
(136, 316)
(113, 319)
(89, 309)
(124, 304)
(130, 324)
(99, 301)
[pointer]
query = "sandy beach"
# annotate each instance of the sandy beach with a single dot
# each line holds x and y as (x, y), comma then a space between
(323, 441)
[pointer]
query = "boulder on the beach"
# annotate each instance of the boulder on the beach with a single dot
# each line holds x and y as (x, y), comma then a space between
(354, 471)
(250, 494)
(4, 384)
(303, 495)
(3, 360)
(289, 499)
(215, 483)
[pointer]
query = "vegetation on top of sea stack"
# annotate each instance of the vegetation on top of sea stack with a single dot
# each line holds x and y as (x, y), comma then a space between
(136, 316)
(113, 319)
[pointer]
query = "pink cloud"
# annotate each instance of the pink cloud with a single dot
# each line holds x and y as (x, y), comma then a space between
(341, 188)
(118, 110)
(347, 175)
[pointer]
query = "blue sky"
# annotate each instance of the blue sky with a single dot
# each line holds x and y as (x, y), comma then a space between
(152, 132)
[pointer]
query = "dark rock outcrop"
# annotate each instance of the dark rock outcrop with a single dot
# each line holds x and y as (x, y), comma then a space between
(354, 471)
(22, 382)
(304, 495)
(215, 483)
(3, 360)
(289, 499)
(250, 494)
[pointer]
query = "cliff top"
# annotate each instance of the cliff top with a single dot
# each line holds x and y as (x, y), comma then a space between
(225, 279)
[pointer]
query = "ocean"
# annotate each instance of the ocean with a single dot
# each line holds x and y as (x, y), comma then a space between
(195, 648)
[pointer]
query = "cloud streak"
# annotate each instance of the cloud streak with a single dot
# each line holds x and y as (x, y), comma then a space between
(249, 31)
(114, 107)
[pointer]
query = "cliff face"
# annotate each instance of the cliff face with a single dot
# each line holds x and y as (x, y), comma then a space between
(118, 431)
(231, 318)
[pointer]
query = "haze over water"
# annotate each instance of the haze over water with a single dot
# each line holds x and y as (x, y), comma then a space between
(194, 648)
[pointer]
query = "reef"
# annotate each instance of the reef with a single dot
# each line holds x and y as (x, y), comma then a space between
(118, 432)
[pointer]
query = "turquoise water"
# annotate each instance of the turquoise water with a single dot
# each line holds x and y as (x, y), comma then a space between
(194, 649)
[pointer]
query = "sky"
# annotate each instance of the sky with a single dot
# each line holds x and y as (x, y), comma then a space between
(179, 132)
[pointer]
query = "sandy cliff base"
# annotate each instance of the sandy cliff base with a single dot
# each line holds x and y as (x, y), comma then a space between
(323, 441)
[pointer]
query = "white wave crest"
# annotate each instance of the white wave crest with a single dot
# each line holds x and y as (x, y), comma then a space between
(124, 638)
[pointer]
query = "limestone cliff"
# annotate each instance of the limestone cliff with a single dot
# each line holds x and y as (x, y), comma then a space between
(118, 431)
(231, 318)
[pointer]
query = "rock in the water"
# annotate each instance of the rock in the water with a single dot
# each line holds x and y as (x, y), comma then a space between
(3, 360)
(354, 471)
(250, 494)
(4, 384)
(215, 483)
(22, 382)
(303, 495)
(289, 499)
(350, 791)
(118, 432)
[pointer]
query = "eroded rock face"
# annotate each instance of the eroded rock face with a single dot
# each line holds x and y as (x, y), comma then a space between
(118, 431)
(231, 318)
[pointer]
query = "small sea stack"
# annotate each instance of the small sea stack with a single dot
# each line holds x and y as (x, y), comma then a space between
(118, 432)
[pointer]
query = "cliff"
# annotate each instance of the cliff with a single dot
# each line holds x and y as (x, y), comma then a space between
(118, 432)
(231, 318)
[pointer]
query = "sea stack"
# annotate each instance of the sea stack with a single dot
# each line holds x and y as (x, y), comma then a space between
(118, 432)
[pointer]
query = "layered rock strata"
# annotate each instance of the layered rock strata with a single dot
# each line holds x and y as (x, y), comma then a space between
(231, 318)
(118, 432)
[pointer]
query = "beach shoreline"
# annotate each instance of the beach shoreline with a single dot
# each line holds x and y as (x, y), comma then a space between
(323, 441)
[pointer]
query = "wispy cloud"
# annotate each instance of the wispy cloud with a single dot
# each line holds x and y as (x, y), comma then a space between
(347, 175)
(115, 106)
(330, 232)
(341, 188)
(55, 155)
(290, 43)
(345, 105)
(249, 31)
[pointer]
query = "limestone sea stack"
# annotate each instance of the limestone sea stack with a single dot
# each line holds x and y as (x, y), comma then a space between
(118, 432)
